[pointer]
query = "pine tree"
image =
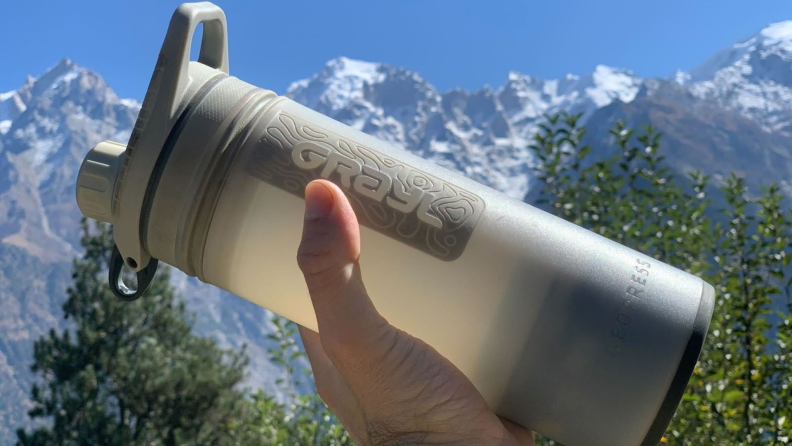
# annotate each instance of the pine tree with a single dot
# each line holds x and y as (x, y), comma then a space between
(131, 373)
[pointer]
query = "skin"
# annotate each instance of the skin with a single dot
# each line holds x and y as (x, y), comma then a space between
(385, 386)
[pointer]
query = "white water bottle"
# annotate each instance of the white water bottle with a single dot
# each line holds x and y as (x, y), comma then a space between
(561, 330)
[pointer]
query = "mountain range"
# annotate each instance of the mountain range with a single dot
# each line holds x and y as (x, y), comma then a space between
(731, 113)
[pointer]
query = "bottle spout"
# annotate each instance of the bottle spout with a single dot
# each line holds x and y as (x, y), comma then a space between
(97, 178)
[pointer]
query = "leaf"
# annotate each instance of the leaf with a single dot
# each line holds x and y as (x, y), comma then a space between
(733, 395)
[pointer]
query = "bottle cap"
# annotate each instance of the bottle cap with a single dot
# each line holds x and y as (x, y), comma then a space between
(97, 178)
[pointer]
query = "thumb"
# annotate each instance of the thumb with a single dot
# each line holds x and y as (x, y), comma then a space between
(328, 257)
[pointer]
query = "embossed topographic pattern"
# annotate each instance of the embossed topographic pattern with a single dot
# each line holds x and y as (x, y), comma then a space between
(387, 195)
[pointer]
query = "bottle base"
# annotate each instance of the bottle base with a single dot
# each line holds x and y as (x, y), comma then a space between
(686, 366)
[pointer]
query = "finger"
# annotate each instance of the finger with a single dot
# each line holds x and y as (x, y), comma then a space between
(325, 373)
(523, 436)
(328, 257)
(330, 385)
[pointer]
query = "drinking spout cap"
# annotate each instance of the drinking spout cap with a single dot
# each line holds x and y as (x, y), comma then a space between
(97, 178)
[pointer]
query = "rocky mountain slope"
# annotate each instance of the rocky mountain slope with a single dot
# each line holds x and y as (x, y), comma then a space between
(734, 112)
(731, 113)
(752, 77)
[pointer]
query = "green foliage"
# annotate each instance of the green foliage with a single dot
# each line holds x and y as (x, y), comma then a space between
(739, 393)
(307, 420)
(134, 374)
(130, 373)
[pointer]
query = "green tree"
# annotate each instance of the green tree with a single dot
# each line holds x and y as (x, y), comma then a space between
(739, 393)
(306, 421)
(131, 373)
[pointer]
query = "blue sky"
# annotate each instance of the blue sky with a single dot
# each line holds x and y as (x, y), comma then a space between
(450, 42)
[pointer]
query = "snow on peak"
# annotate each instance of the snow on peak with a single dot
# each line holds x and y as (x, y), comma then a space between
(66, 99)
(131, 103)
(65, 82)
(64, 72)
(777, 39)
(778, 32)
(521, 83)
(516, 76)
(681, 77)
(5, 96)
(340, 82)
(345, 67)
(752, 77)
(612, 83)
(526, 97)
(63, 65)
(11, 105)
(748, 57)
(605, 70)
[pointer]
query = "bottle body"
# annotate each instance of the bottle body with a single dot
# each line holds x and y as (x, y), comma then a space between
(561, 330)
(548, 320)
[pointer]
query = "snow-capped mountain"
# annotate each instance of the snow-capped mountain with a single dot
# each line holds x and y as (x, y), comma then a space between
(752, 77)
(484, 133)
(526, 98)
(733, 112)
(48, 123)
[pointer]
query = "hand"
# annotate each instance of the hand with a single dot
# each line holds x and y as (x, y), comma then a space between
(385, 386)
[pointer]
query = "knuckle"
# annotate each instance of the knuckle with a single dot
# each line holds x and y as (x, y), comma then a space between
(323, 277)
(323, 267)
(319, 253)
(313, 259)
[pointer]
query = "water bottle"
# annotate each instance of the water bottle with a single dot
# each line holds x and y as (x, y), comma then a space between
(563, 331)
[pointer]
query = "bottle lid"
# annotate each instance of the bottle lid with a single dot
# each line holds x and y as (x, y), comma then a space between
(114, 180)
(97, 178)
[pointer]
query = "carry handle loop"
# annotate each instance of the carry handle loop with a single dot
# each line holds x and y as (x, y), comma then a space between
(175, 50)
(214, 44)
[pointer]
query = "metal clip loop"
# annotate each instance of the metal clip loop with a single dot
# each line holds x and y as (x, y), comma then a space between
(144, 277)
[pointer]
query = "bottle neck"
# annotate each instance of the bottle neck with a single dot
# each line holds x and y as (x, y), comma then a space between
(199, 150)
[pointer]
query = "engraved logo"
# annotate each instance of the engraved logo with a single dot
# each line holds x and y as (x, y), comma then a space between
(632, 300)
(387, 195)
